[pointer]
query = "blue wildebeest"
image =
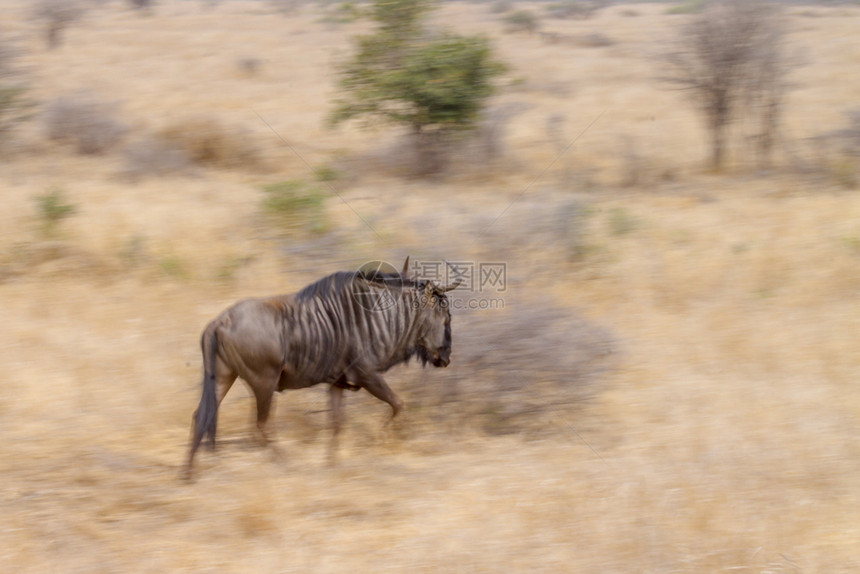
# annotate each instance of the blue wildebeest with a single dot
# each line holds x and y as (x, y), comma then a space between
(344, 330)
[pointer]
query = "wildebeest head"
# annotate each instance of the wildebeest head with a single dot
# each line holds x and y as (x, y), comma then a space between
(434, 337)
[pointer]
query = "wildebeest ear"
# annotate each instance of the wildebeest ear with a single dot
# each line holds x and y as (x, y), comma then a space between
(405, 267)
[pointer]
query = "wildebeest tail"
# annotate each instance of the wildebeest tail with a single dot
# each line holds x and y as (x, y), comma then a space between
(206, 417)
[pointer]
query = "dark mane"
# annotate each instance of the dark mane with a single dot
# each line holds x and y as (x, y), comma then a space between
(337, 282)
(327, 286)
(387, 279)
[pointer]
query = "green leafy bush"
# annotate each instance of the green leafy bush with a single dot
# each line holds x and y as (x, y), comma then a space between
(52, 208)
(434, 83)
(295, 206)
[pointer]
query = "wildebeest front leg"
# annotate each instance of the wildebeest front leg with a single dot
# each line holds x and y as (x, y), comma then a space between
(336, 398)
(376, 386)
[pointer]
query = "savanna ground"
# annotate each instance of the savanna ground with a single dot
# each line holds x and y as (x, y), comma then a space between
(720, 435)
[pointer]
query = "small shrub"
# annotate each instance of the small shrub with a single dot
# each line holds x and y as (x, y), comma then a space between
(207, 142)
(595, 40)
(56, 16)
(285, 6)
(621, 222)
(152, 156)
(142, 4)
(576, 9)
(513, 368)
(295, 206)
(226, 271)
(343, 13)
(326, 173)
(633, 168)
(89, 124)
(249, 66)
(491, 130)
(52, 208)
(522, 21)
(850, 136)
(133, 251)
(688, 7)
(173, 266)
(501, 6)
(845, 172)
(846, 165)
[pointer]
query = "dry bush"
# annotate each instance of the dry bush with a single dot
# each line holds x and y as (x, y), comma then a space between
(285, 7)
(249, 66)
(522, 21)
(633, 168)
(850, 137)
(208, 142)
(86, 122)
(501, 6)
(540, 224)
(152, 157)
(590, 40)
(489, 136)
(594, 40)
(513, 370)
(56, 16)
(142, 4)
(576, 9)
(342, 13)
(833, 156)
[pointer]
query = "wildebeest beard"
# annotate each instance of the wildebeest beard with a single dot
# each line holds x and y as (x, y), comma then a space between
(425, 357)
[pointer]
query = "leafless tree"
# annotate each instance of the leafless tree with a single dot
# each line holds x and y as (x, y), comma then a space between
(731, 58)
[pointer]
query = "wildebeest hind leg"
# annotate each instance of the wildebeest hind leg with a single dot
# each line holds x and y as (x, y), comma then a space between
(264, 392)
(224, 378)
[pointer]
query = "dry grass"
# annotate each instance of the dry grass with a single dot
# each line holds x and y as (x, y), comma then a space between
(722, 438)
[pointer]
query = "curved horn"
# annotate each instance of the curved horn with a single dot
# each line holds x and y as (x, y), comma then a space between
(405, 267)
(457, 281)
